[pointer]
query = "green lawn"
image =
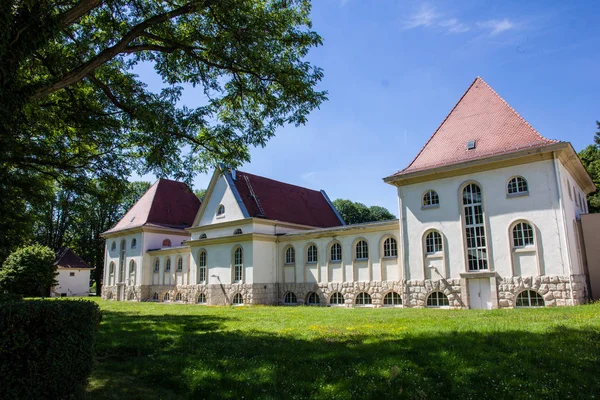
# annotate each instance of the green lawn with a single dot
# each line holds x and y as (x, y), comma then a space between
(169, 351)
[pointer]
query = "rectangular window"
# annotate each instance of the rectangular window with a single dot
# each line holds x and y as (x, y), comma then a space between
(474, 228)
(71, 273)
(237, 273)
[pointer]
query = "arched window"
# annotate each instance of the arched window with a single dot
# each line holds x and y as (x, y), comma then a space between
(131, 296)
(390, 248)
(238, 299)
(290, 298)
(155, 296)
(133, 243)
(166, 243)
(203, 236)
(122, 262)
(156, 265)
(362, 250)
(522, 235)
(168, 265)
(179, 264)
(392, 299)
(131, 267)
(113, 246)
(363, 299)
(312, 299)
(433, 243)
(517, 185)
(311, 254)
(336, 298)
(238, 264)
(529, 298)
(290, 255)
(569, 187)
(238, 231)
(111, 268)
(336, 252)
(220, 210)
(474, 228)
(431, 199)
(202, 267)
(178, 297)
(437, 299)
(166, 297)
(201, 298)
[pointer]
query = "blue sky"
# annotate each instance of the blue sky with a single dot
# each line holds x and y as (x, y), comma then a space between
(394, 69)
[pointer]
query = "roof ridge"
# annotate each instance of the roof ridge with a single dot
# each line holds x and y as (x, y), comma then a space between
(513, 110)
(275, 180)
(440, 125)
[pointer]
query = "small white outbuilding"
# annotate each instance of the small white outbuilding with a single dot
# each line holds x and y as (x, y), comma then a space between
(73, 275)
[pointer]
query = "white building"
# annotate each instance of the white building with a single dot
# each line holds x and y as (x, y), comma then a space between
(73, 275)
(488, 218)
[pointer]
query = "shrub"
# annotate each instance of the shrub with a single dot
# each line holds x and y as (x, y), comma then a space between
(29, 271)
(46, 348)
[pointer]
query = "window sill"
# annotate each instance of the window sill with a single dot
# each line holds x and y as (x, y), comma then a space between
(513, 195)
(335, 261)
(528, 249)
(289, 264)
(433, 206)
(220, 216)
(312, 263)
(361, 259)
(435, 256)
(390, 257)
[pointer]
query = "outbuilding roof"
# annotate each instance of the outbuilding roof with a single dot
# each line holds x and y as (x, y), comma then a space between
(66, 258)
(274, 200)
(480, 125)
(167, 203)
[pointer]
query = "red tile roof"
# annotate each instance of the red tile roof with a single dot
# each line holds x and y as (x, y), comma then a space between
(167, 203)
(284, 202)
(66, 258)
(483, 116)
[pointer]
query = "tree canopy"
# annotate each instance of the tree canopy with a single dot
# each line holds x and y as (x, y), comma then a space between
(356, 213)
(29, 271)
(590, 158)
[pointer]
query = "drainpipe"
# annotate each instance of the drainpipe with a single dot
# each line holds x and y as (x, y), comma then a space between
(565, 228)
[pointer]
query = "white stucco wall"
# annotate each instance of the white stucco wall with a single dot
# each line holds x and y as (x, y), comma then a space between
(541, 208)
(76, 285)
(136, 254)
(221, 194)
(219, 261)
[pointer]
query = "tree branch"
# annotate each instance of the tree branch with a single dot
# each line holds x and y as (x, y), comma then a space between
(109, 53)
(80, 9)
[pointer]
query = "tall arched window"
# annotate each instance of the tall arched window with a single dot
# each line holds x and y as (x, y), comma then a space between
(238, 265)
(335, 252)
(168, 265)
(111, 268)
(133, 243)
(431, 199)
(113, 246)
(517, 185)
(202, 267)
(522, 235)
(131, 267)
(179, 264)
(390, 247)
(156, 265)
(433, 243)
(122, 262)
(311, 254)
(474, 228)
(166, 243)
(290, 255)
(362, 250)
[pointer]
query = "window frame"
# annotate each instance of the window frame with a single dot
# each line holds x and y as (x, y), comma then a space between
(166, 243)
(220, 211)
(310, 297)
(395, 296)
(526, 235)
(391, 250)
(520, 181)
(235, 297)
(366, 300)
(477, 230)
(203, 295)
(337, 295)
(179, 267)
(156, 268)
(430, 199)
(133, 243)
(538, 297)
(238, 231)
(439, 296)
(436, 243)
(364, 251)
(289, 255)
(202, 266)
(167, 264)
(155, 296)
(288, 297)
(166, 297)
(312, 254)
(238, 268)
(338, 245)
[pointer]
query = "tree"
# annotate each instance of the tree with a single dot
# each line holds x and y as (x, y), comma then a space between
(356, 213)
(29, 271)
(590, 158)
(71, 105)
(200, 193)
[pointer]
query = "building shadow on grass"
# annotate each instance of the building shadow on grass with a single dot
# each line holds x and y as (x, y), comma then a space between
(192, 357)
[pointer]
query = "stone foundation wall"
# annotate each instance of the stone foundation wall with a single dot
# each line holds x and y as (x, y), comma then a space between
(376, 289)
(418, 291)
(556, 290)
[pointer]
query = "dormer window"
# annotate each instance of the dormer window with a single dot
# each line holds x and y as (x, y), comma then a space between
(221, 210)
(471, 145)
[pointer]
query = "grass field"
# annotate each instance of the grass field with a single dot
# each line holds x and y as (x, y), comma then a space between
(172, 351)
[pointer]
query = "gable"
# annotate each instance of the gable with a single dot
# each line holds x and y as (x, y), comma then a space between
(219, 193)
(482, 117)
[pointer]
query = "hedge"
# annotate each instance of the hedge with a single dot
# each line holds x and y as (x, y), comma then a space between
(46, 348)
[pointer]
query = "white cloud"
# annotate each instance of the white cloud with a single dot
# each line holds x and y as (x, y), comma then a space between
(425, 16)
(497, 26)
(452, 25)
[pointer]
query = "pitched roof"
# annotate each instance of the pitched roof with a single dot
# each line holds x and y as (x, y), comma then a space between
(284, 202)
(481, 115)
(167, 203)
(66, 258)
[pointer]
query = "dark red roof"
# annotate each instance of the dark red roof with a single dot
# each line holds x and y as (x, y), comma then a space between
(284, 202)
(66, 258)
(167, 203)
(483, 116)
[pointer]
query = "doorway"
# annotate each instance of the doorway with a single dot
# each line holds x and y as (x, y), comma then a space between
(480, 294)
